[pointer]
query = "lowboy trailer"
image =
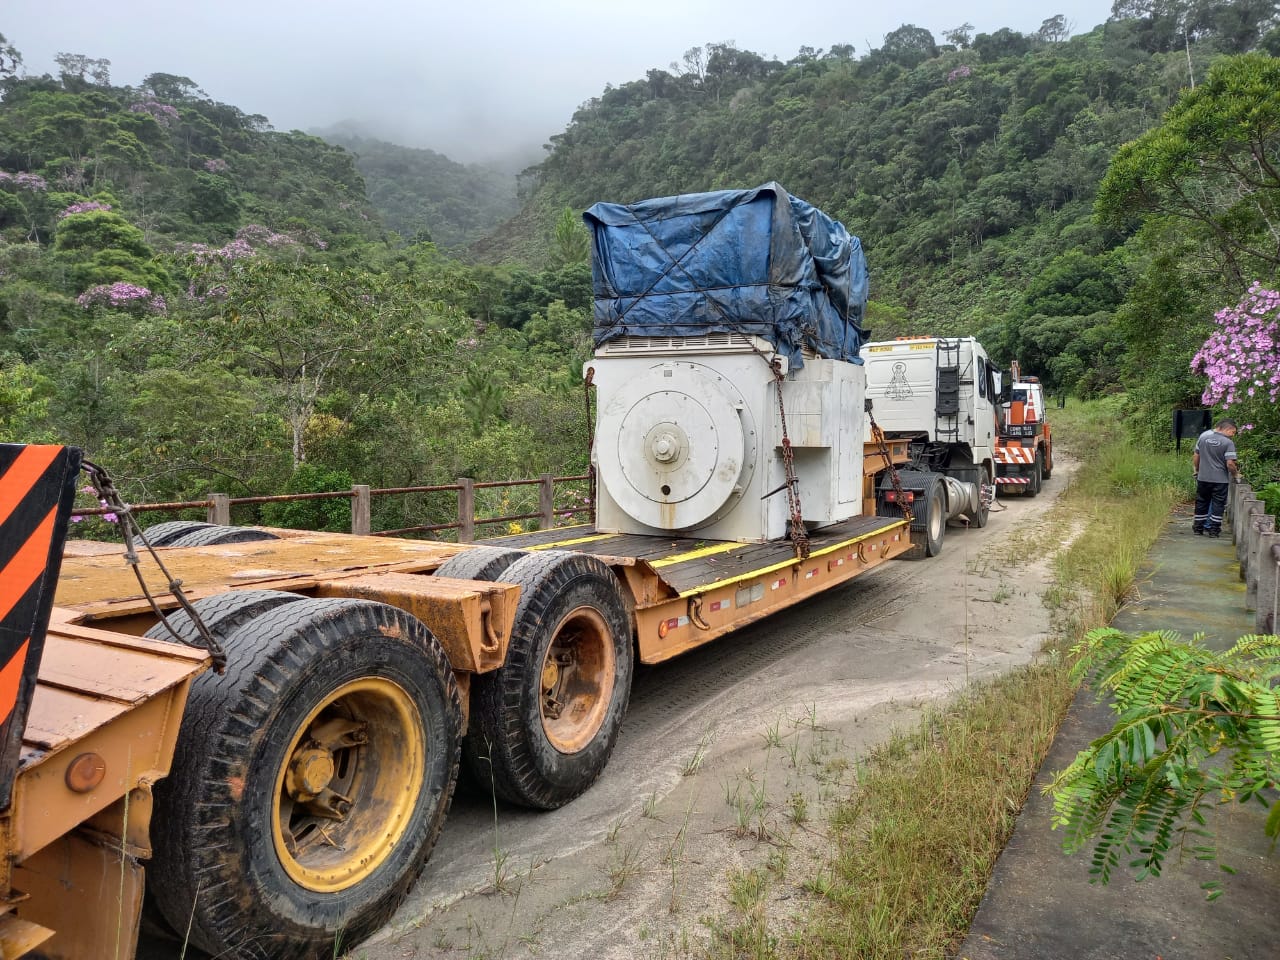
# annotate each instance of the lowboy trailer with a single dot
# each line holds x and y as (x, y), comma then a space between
(290, 801)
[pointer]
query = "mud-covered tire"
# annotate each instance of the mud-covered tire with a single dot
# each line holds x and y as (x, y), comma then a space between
(240, 858)
(214, 535)
(162, 534)
(519, 743)
(479, 563)
(222, 614)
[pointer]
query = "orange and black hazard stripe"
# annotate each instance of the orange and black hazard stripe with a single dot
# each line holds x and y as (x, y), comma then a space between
(37, 490)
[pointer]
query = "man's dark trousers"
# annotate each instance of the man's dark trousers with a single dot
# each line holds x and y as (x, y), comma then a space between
(1211, 503)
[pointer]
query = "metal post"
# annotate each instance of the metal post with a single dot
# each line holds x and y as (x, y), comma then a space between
(219, 509)
(547, 500)
(1266, 614)
(360, 509)
(466, 510)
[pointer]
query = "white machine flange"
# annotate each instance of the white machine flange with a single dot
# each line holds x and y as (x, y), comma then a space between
(677, 440)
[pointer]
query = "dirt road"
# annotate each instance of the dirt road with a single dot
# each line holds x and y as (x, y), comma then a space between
(727, 761)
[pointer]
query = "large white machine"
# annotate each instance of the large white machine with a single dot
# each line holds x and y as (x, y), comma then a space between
(689, 437)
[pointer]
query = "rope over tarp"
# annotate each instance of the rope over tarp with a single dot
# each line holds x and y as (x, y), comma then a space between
(757, 262)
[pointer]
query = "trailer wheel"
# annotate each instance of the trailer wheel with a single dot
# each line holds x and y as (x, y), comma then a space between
(479, 563)
(310, 780)
(544, 724)
(162, 534)
(212, 535)
(222, 614)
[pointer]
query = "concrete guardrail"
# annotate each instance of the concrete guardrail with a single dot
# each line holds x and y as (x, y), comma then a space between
(1258, 549)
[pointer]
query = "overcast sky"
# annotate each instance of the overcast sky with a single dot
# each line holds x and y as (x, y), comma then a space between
(475, 80)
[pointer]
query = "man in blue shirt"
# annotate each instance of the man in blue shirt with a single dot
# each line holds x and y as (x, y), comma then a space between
(1215, 464)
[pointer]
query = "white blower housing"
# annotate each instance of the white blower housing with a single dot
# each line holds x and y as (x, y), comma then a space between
(689, 438)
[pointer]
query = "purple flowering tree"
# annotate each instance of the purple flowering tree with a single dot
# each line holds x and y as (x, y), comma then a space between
(84, 206)
(23, 186)
(1241, 363)
(123, 296)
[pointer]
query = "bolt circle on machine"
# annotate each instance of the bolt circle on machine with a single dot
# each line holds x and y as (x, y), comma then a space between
(342, 806)
(578, 677)
(673, 447)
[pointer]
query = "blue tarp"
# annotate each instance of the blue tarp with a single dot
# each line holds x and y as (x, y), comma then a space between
(758, 262)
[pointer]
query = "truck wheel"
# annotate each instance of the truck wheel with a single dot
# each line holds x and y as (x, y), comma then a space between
(310, 780)
(930, 528)
(1037, 475)
(212, 535)
(986, 489)
(162, 534)
(1048, 462)
(544, 724)
(479, 563)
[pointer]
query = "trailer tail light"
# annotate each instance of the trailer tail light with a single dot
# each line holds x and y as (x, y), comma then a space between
(891, 496)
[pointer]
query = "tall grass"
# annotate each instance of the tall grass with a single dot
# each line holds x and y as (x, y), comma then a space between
(915, 842)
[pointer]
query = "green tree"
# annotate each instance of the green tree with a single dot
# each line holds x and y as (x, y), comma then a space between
(10, 58)
(1213, 166)
(306, 329)
(572, 244)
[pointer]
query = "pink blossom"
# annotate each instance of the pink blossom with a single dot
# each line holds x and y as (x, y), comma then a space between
(122, 295)
(1241, 358)
(216, 165)
(25, 181)
(164, 114)
(84, 206)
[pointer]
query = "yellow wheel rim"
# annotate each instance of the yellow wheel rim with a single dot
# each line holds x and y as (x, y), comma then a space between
(577, 680)
(349, 784)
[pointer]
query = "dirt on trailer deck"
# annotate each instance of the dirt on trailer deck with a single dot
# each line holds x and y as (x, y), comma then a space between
(729, 759)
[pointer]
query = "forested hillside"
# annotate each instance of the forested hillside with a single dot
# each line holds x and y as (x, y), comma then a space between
(204, 303)
(968, 164)
(207, 304)
(423, 195)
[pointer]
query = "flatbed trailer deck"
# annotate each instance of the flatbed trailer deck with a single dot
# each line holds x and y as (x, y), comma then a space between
(688, 591)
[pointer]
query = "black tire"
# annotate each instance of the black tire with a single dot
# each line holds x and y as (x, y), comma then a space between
(1048, 462)
(213, 535)
(240, 858)
(516, 745)
(1037, 475)
(928, 522)
(479, 563)
(978, 518)
(162, 534)
(935, 520)
(221, 613)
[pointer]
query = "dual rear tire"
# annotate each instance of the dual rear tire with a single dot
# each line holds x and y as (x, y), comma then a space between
(310, 781)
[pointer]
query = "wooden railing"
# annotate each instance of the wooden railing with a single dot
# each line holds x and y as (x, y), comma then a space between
(1258, 550)
(218, 506)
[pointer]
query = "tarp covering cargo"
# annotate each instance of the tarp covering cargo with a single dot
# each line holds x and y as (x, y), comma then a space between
(759, 262)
